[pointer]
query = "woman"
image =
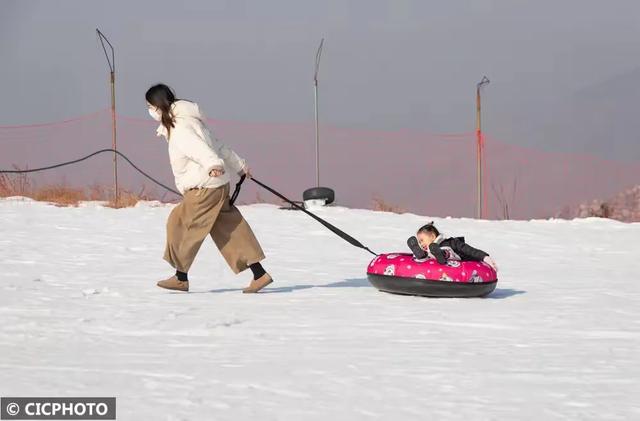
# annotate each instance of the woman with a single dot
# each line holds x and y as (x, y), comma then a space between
(200, 163)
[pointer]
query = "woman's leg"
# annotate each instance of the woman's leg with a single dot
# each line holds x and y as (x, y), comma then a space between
(258, 270)
(235, 239)
(189, 224)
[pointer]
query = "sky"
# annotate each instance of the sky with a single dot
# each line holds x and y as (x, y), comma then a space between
(386, 65)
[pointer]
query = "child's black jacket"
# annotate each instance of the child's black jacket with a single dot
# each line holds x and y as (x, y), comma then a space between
(439, 250)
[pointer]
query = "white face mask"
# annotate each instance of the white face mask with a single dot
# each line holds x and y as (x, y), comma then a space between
(155, 114)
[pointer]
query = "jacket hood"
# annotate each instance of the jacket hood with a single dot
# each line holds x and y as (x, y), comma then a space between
(182, 109)
(186, 109)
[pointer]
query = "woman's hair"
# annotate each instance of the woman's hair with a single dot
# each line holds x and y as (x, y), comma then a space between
(162, 97)
(429, 228)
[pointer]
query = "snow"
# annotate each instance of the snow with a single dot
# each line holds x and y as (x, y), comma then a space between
(81, 316)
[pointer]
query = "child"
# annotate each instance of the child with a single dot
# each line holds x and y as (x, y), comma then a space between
(428, 242)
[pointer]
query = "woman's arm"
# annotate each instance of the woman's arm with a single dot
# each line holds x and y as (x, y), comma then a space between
(231, 159)
(194, 147)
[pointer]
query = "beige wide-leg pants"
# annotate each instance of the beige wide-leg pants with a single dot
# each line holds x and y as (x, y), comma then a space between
(205, 212)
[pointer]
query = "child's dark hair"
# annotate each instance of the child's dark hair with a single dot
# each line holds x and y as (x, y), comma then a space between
(429, 228)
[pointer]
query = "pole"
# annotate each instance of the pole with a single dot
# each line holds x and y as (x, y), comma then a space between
(315, 99)
(112, 71)
(479, 155)
(315, 95)
(114, 137)
(480, 147)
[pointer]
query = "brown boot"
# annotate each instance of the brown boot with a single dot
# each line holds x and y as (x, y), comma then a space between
(173, 283)
(257, 284)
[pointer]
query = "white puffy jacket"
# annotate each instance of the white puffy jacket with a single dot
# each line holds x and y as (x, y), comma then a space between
(194, 152)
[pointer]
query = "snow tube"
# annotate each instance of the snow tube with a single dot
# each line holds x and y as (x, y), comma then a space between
(401, 273)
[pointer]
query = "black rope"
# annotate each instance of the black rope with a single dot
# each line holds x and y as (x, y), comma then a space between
(236, 192)
(346, 237)
(75, 161)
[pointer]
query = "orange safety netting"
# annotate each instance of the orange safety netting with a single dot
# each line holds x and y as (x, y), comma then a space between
(432, 174)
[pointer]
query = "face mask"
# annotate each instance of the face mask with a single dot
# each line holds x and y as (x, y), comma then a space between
(155, 114)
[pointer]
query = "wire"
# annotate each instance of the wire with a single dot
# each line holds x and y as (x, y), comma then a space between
(317, 66)
(112, 62)
(328, 225)
(75, 161)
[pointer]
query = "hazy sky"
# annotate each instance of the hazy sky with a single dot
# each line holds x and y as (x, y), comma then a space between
(386, 65)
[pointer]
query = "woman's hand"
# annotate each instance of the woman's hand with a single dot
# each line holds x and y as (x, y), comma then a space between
(245, 171)
(216, 172)
(488, 260)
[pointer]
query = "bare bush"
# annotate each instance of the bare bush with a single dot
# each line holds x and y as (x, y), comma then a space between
(505, 199)
(61, 194)
(381, 205)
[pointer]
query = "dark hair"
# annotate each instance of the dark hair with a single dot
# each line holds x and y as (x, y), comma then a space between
(162, 97)
(429, 228)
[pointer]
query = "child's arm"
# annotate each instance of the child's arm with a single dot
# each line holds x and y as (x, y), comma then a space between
(417, 251)
(437, 252)
(460, 247)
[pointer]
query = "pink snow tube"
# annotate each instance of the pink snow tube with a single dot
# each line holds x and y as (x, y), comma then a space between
(401, 273)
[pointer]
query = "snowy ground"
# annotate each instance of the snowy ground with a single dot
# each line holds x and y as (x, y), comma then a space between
(81, 316)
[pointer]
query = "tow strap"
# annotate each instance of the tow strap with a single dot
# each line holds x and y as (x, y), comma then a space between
(346, 237)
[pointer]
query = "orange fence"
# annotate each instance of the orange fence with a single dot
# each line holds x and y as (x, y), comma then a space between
(431, 174)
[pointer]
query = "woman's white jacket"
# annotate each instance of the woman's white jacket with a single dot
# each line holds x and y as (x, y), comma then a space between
(194, 151)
